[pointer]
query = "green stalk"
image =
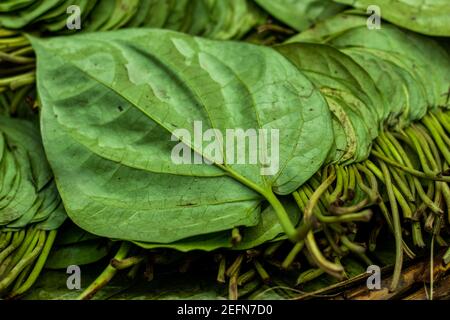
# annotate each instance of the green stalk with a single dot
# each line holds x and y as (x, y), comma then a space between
(27, 260)
(309, 275)
(233, 293)
(345, 175)
(446, 195)
(106, 275)
(15, 59)
(246, 277)
(235, 265)
(127, 262)
(417, 234)
(20, 279)
(371, 192)
(339, 185)
(222, 270)
(436, 158)
(265, 277)
(306, 223)
(390, 151)
(350, 209)
(292, 255)
(398, 175)
(435, 176)
(417, 145)
(18, 97)
(363, 216)
(314, 199)
(271, 249)
(351, 180)
(423, 196)
(15, 243)
(36, 271)
(406, 210)
(374, 233)
(236, 237)
(443, 120)
(328, 266)
(5, 240)
(291, 232)
(332, 241)
(19, 80)
(397, 228)
(446, 257)
(314, 251)
(29, 237)
(431, 126)
(397, 150)
(356, 249)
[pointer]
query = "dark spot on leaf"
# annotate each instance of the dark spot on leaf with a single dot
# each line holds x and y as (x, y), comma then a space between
(188, 204)
(120, 108)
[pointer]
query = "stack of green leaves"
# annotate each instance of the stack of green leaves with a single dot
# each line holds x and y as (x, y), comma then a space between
(30, 207)
(209, 18)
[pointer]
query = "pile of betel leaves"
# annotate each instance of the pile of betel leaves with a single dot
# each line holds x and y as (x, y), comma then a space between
(90, 119)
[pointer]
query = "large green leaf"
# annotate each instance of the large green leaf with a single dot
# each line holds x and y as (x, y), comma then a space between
(215, 19)
(112, 102)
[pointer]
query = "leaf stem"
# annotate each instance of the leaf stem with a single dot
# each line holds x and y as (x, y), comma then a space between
(397, 228)
(38, 266)
(106, 275)
(292, 255)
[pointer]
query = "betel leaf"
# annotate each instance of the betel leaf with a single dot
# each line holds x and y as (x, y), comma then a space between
(78, 254)
(70, 233)
(113, 101)
(266, 230)
(427, 17)
(329, 28)
(300, 15)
